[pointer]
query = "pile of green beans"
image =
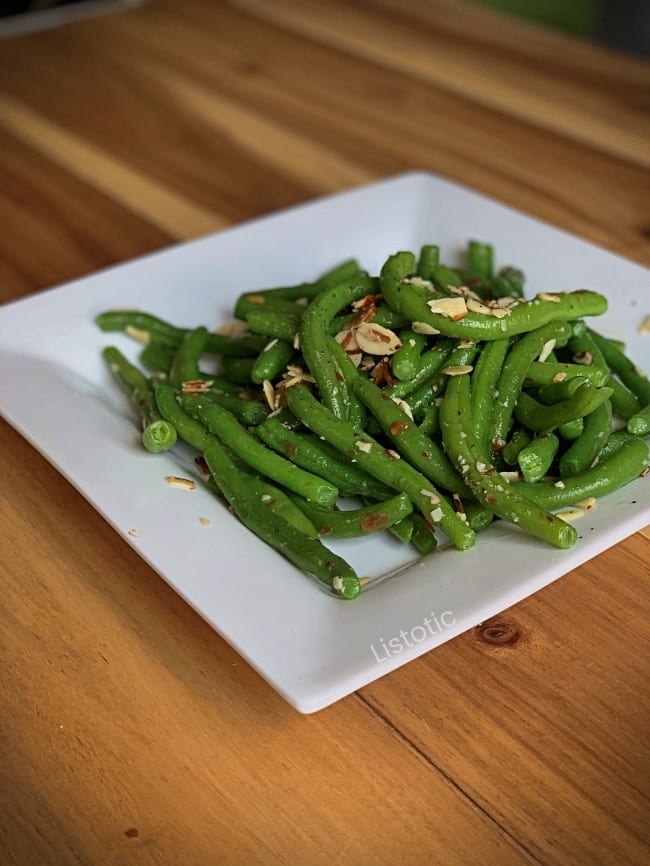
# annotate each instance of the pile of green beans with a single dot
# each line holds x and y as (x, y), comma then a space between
(438, 397)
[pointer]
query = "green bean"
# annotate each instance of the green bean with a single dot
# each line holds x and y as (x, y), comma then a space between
(307, 291)
(484, 389)
(515, 279)
(517, 363)
(346, 370)
(272, 361)
(572, 429)
(526, 316)
(480, 259)
(376, 460)
(189, 430)
(444, 278)
(314, 346)
(535, 459)
(157, 356)
(556, 392)
(616, 441)
(434, 387)
(542, 419)
(358, 521)
(185, 366)
(585, 449)
(403, 530)
(307, 553)
(315, 456)
(511, 450)
(428, 261)
(274, 325)
(423, 538)
(630, 375)
(147, 328)
(589, 351)
(430, 362)
(273, 498)
(620, 467)
(455, 421)
(256, 301)
(548, 373)
(619, 345)
(639, 424)
(248, 412)
(478, 516)
(225, 426)
(157, 434)
(238, 370)
(406, 360)
(430, 423)
(419, 449)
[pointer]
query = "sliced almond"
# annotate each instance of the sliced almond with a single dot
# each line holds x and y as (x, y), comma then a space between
(547, 348)
(570, 514)
(419, 281)
(452, 308)
(269, 393)
(478, 307)
(363, 446)
(196, 386)
(549, 296)
(466, 344)
(423, 328)
(588, 503)
(507, 302)
(499, 312)
(644, 327)
(134, 533)
(181, 483)
(433, 497)
(458, 370)
(270, 345)
(377, 340)
(436, 515)
(204, 521)
(138, 334)
(404, 406)
(296, 340)
(232, 329)
(559, 377)
(348, 340)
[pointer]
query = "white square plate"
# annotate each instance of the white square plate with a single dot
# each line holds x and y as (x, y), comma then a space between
(312, 648)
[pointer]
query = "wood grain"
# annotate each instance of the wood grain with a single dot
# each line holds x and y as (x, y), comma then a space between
(129, 731)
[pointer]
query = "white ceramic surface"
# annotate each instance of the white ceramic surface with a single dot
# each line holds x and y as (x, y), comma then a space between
(314, 649)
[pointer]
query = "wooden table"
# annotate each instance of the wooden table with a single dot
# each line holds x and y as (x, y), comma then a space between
(129, 731)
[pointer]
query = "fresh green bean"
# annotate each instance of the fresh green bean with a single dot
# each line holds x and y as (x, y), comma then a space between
(542, 419)
(535, 459)
(315, 456)
(525, 316)
(511, 450)
(556, 392)
(189, 430)
(157, 434)
(588, 350)
(307, 553)
(548, 373)
(430, 362)
(480, 259)
(630, 375)
(485, 389)
(238, 370)
(406, 360)
(358, 521)
(419, 449)
(455, 421)
(248, 412)
(428, 261)
(157, 357)
(314, 345)
(272, 361)
(620, 467)
(257, 301)
(639, 424)
(274, 325)
(444, 278)
(572, 429)
(430, 423)
(225, 426)
(585, 449)
(384, 465)
(423, 538)
(185, 366)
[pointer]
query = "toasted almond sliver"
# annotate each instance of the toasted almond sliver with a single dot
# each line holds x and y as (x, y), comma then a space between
(510, 476)
(436, 515)
(134, 533)
(479, 307)
(363, 446)
(204, 521)
(377, 340)
(559, 377)
(296, 340)
(466, 344)
(269, 393)
(458, 370)
(419, 281)
(196, 386)
(499, 312)
(507, 302)
(270, 345)
(348, 340)
(570, 514)
(451, 308)
(547, 348)
(435, 499)
(588, 503)
(182, 483)
(548, 296)
(644, 327)
(138, 334)
(232, 329)
(404, 406)
(423, 328)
